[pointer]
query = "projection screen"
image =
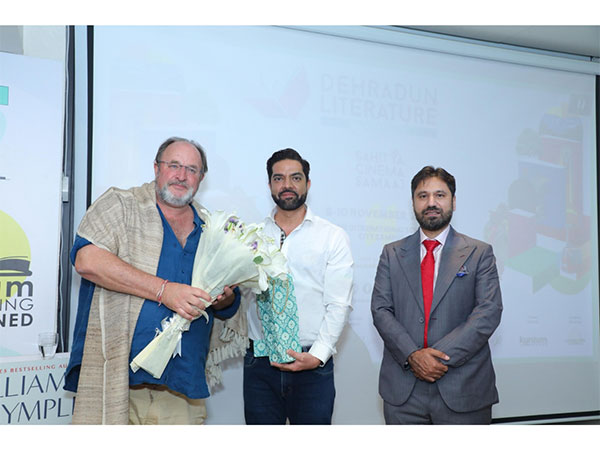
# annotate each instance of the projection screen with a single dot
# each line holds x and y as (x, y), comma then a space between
(367, 115)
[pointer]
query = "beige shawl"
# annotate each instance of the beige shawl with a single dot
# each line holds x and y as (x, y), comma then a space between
(127, 223)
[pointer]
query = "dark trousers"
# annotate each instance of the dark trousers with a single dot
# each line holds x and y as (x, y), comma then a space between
(272, 396)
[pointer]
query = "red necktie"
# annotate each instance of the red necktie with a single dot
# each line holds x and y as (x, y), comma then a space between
(427, 271)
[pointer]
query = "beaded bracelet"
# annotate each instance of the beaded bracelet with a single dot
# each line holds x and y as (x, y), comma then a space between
(160, 292)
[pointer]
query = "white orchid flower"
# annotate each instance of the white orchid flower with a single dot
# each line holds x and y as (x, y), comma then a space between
(229, 253)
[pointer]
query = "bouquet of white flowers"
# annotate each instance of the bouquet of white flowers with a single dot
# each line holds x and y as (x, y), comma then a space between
(229, 253)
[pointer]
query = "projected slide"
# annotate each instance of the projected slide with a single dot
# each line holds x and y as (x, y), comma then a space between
(519, 140)
(543, 238)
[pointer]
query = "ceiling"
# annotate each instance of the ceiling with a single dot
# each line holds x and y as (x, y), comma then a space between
(578, 40)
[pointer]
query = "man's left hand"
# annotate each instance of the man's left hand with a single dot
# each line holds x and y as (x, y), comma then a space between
(427, 364)
(304, 361)
(225, 299)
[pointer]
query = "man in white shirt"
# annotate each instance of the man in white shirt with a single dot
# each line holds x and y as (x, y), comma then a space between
(320, 262)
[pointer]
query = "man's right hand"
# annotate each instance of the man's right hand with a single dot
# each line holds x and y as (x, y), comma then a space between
(109, 271)
(185, 300)
(426, 364)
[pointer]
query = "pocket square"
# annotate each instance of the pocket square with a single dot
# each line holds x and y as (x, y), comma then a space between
(462, 272)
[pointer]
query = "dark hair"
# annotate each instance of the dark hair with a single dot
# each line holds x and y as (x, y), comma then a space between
(430, 172)
(174, 139)
(287, 153)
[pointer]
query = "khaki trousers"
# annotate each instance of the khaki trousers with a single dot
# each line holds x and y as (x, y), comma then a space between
(164, 407)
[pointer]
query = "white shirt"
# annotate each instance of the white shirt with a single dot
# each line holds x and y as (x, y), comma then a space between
(437, 252)
(321, 264)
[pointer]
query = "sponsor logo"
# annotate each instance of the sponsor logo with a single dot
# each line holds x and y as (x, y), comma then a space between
(16, 290)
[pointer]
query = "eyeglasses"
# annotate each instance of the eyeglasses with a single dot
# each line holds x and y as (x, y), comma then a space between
(175, 167)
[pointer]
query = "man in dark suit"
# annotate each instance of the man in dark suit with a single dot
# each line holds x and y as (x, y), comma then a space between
(436, 304)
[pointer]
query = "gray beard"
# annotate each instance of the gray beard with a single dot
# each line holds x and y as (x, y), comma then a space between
(167, 197)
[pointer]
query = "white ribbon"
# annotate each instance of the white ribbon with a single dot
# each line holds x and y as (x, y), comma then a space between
(167, 323)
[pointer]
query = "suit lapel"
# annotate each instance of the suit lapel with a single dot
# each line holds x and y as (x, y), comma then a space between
(409, 258)
(454, 254)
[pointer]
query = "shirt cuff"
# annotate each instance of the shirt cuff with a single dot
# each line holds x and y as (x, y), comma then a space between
(77, 245)
(321, 351)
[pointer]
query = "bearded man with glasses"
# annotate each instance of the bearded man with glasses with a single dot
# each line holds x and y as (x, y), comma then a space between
(135, 251)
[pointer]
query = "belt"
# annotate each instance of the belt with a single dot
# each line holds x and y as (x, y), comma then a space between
(305, 348)
(153, 387)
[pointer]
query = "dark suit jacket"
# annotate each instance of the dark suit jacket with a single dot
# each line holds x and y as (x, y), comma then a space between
(465, 311)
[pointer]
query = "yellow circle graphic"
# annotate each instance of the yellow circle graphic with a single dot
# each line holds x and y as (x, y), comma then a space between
(15, 255)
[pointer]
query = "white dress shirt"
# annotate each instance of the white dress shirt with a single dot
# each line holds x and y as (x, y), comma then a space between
(321, 264)
(437, 252)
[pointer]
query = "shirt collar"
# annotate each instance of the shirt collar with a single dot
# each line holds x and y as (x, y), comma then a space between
(441, 238)
(309, 216)
(197, 219)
